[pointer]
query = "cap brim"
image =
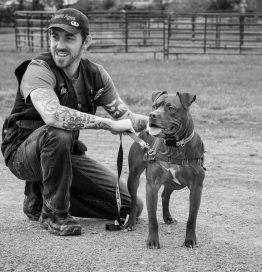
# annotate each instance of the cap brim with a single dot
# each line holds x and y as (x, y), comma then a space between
(67, 28)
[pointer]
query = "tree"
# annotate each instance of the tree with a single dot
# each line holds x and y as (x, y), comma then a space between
(21, 5)
(36, 5)
(58, 4)
(222, 4)
(108, 4)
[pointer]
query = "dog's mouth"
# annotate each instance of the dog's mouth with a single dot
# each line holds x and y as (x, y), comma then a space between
(162, 132)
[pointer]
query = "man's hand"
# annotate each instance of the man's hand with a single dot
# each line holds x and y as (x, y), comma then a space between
(139, 122)
(121, 126)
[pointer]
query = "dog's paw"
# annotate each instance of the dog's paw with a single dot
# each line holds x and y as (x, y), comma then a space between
(130, 226)
(169, 220)
(153, 243)
(190, 243)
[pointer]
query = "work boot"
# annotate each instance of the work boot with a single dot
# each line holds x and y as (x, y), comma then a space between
(61, 224)
(33, 202)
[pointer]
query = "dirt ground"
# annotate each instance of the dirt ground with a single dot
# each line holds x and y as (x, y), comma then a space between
(228, 228)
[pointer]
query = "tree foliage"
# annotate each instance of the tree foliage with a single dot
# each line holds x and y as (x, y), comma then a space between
(222, 5)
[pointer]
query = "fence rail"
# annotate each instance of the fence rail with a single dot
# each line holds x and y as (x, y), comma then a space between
(156, 32)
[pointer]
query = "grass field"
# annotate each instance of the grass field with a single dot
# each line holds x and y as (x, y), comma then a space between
(228, 116)
(227, 87)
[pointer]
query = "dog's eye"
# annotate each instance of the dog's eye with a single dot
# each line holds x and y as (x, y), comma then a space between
(170, 108)
(155, 106)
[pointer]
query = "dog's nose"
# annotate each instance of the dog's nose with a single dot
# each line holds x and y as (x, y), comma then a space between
(152, 115)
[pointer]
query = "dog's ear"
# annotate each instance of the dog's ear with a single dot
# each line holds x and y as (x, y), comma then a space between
(186, 99)
(157, 94)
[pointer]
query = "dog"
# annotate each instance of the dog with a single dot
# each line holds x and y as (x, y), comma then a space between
(174, 160)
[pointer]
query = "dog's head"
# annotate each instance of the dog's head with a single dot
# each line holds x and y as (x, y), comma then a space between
(170, 113)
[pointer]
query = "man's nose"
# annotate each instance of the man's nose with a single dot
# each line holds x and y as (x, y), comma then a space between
(60, 44)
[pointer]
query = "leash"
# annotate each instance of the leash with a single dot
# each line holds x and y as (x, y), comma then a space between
(120, 157)
(118, 224)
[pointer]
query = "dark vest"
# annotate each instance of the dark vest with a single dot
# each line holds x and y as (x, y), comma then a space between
(24, 118)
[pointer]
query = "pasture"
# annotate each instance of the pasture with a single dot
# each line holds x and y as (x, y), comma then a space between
(228, 116)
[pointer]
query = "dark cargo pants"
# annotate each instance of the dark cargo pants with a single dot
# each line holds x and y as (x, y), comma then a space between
(68, 183)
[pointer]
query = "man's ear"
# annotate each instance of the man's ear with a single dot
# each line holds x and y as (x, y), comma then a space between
(157, 94)
(87, 41)
(186, 99)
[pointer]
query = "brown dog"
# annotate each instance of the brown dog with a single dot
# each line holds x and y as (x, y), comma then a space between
(175, 160)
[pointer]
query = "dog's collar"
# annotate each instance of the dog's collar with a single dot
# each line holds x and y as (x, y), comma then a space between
(174, 142)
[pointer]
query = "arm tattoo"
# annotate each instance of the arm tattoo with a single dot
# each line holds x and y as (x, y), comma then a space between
(117, 108)
(72, 119)
(48, 100)
(65, 117)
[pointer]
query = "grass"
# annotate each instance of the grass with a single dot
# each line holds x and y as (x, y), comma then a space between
(228, 88)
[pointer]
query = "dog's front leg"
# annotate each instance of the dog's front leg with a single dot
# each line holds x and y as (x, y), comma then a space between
(136, 167)
(152, 188)
(195, 188)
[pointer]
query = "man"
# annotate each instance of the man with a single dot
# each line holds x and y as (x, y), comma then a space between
(57, 96)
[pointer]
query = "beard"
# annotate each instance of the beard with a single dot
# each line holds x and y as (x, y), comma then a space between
(64, 58)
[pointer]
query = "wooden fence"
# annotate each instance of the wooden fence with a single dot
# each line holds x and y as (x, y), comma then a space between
(154, 32)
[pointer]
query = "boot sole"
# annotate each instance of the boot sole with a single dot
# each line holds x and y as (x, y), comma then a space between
(33, 217)
(65, 231)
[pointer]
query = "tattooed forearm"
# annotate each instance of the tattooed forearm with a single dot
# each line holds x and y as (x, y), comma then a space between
(117, 108)
(72, 119)
(48, 105)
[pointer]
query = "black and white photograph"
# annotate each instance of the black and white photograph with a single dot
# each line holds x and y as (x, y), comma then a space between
(131, 135)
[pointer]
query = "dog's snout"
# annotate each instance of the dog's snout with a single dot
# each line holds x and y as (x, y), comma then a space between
(152, 115)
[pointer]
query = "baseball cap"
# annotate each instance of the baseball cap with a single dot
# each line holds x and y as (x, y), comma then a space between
(70, 20)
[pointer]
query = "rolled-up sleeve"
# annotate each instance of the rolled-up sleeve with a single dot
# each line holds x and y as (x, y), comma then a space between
(37, 75)
(109, 92)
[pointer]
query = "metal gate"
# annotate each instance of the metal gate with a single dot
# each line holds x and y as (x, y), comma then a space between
(154, 32)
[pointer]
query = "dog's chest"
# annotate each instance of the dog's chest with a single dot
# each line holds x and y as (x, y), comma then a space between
(171, 168)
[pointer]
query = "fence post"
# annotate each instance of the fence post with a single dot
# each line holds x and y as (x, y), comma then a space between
(47, 37)
(126, 32)
(28, 31)
(241, 31)
(205, 35)
(218, 29)
(165, 38)
(41, 31)
(193, 27)
(16, 32)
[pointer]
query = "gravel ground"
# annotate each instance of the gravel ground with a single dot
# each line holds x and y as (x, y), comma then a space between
(228, 227)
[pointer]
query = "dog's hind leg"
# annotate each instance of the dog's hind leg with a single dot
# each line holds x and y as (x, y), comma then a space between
(167, 191)
(136, 167)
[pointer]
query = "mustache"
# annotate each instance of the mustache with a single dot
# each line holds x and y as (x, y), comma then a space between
(62, 51)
